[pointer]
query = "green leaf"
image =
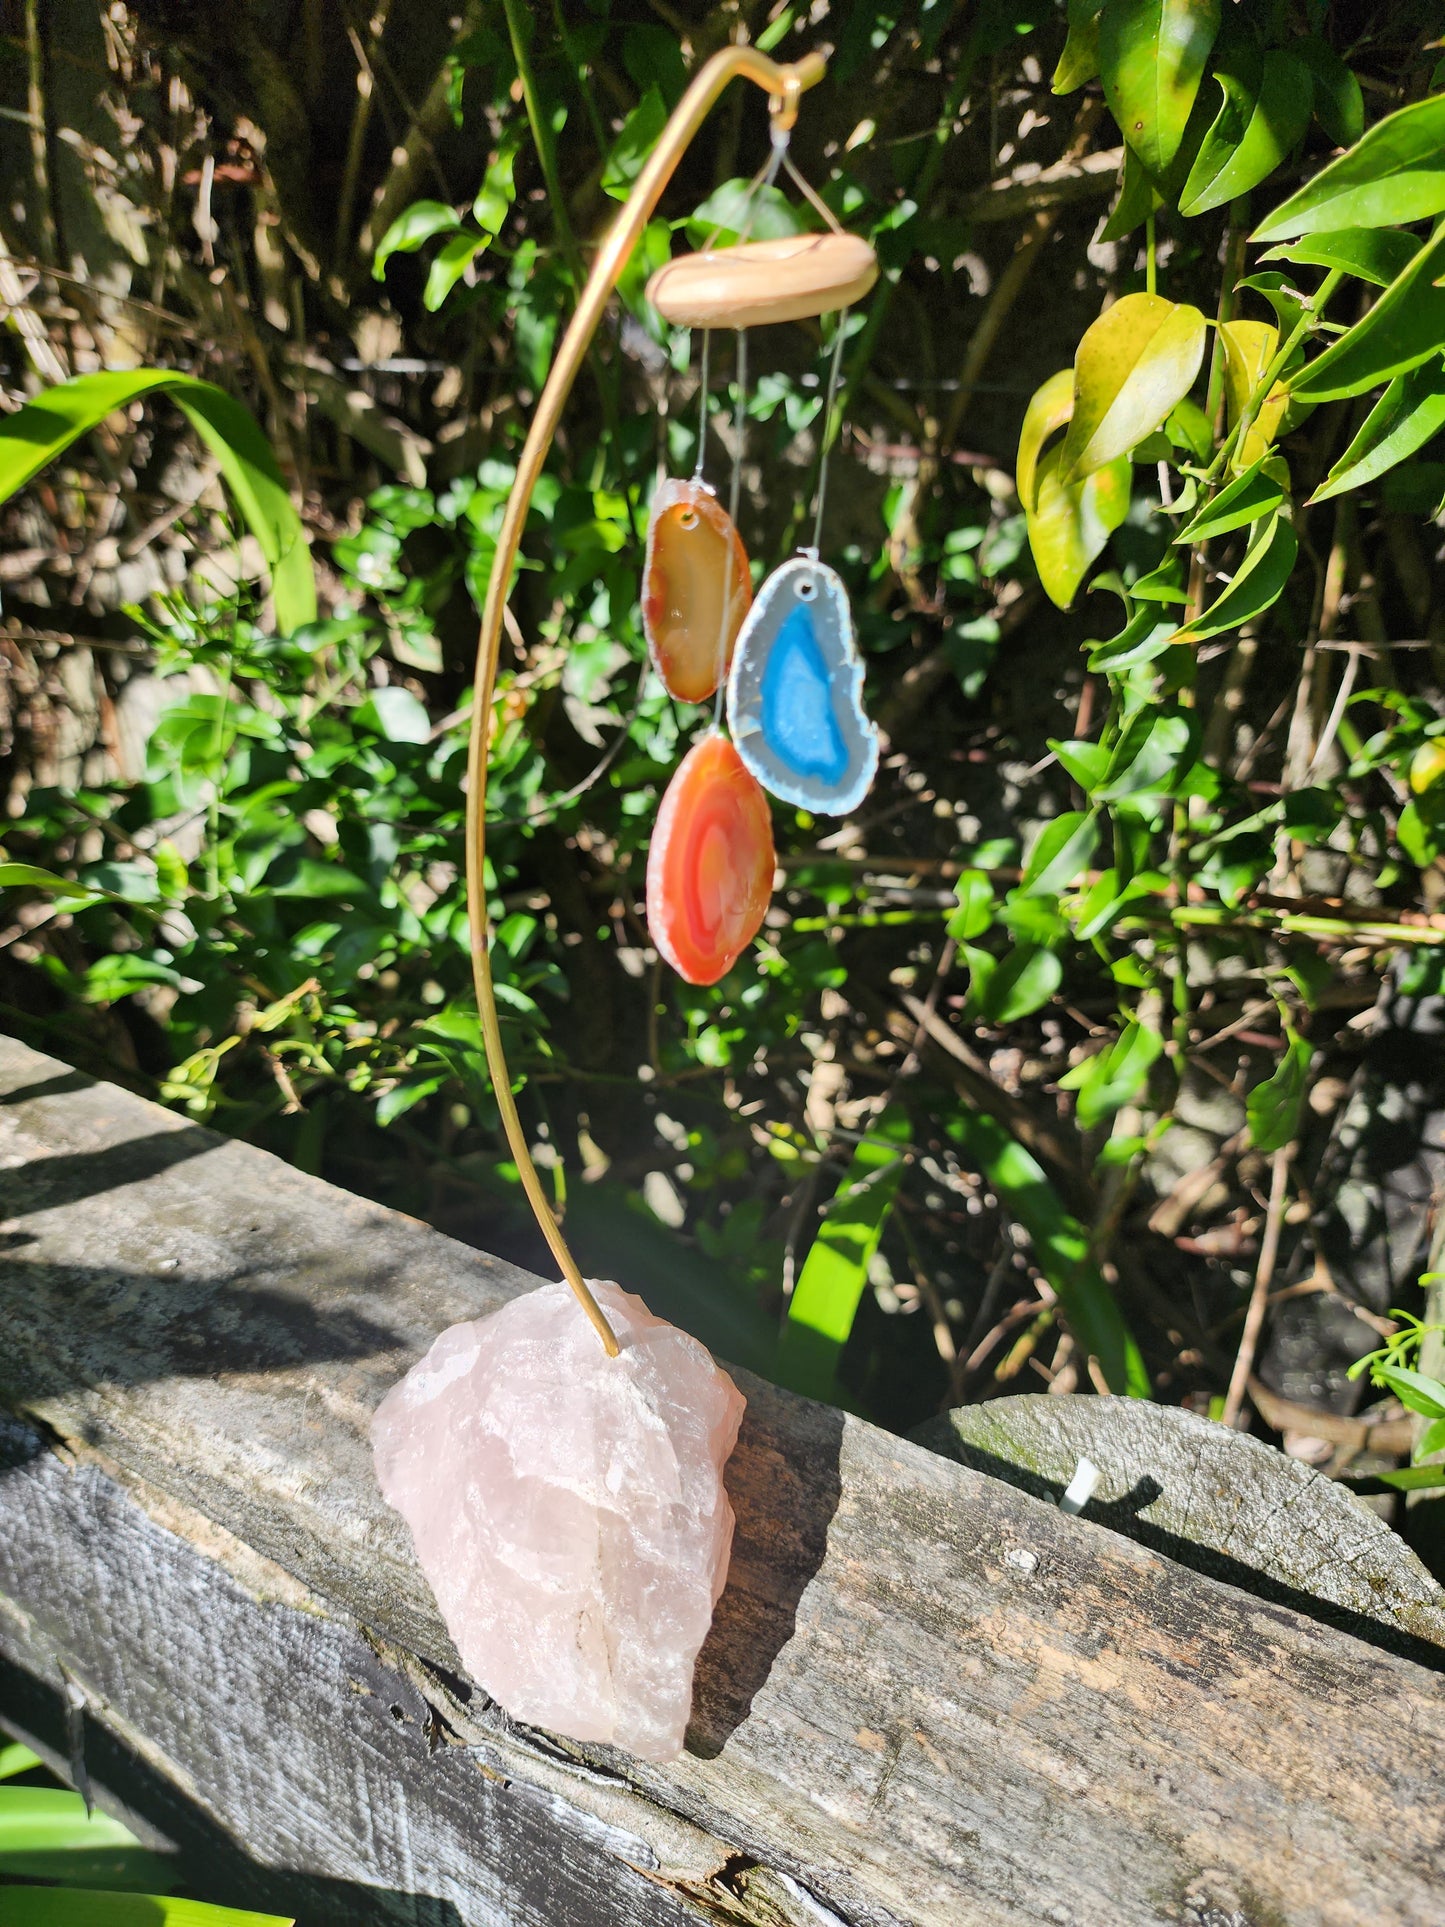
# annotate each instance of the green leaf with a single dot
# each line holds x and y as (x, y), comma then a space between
(1060, 853)
(1021, 983)
(1048, 411)
(1136, 200)
(835, 1273)
(1253, 131)
(1411, 1478)
(1152, 55)
(25, 876)
(1405, 327)
(1394, 175)
(1070, 526)
(1257, 584)
(1142, 639)
(1084, 761)
(1061, 1247)
(1079, 62)
(766, 215)
(1376, 254)
(1254, 493)
(1273, 1108)
(16, 1759)
(78, 1907)
(1188, 427)
(496, 193)
(1431, 1440)
(1413, 1389)
(395, 714)
(401, 1097)
(634, 143)
(1133, 365)
(1339, 104)
(411, 229)
(1410, 411)
(975, 906)
(450, 265)
(44, 428)
(1113, 1075)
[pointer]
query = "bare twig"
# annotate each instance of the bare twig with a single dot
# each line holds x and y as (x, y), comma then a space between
(1263, 1276)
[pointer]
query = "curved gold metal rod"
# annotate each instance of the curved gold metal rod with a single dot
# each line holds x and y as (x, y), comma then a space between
(785, 84)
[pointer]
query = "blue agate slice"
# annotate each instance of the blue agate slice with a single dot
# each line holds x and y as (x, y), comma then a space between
(795, 693)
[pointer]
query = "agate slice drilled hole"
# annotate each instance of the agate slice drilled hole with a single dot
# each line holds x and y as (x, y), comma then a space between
(793, 277)
(696, 589)
(710, 868)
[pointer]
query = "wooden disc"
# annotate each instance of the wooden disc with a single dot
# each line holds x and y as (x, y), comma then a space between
(788, 279)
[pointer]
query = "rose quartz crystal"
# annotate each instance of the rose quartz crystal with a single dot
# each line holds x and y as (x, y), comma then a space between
(568, 1509)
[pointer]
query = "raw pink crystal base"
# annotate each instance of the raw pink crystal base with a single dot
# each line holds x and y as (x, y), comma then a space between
(568, 1509)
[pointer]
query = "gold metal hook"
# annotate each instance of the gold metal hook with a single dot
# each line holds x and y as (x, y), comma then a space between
(784, 84)
(783, 106)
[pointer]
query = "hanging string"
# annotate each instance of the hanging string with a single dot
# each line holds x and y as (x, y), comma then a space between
(825, 440)
(740, 417)
(702, 405)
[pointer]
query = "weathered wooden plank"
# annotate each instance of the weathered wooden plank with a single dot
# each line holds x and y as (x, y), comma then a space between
(277, 1722)
(928, 1696)
(1214, 1499)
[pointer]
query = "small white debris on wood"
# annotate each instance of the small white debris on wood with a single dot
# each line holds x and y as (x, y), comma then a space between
(1022, 1558)
(1080, 1488)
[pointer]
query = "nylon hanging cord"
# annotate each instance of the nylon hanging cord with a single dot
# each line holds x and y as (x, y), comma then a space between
(735, 490)
(702, 404)
(826, 440)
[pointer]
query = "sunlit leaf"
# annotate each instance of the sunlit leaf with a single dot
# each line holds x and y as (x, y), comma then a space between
(1265, 110)
(1410, 411)
(1273, 1108)
(497, 192)
(1152, 55)
(1114, 1075)
(27, 876)
(974, 914)
(735, 208)
(78, 1907)
(1061, 1248)
(1061, 851)
(1048, 411)
(1079, 62)
(1249, 348)
(1413, 1389)
(1255, 493)
(1133, 365)
(451, 263)
(395, 714)
(1405, 327)
(1021, 983)
(835, 1273)
(411, 229)
(1257, 584)
(1136, 200)
(1070, 525)
(1377, 254)
(45, 427)
(633, 144)
(1393, 175)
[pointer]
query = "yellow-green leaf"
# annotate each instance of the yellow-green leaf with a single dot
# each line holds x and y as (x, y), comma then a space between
(1256, 585)
(1079, 61)
(1133, 365)
(1071, 522)
(1046, 414)
(1249, 348)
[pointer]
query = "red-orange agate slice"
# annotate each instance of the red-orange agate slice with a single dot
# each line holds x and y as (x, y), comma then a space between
(696, 588)
(710, 868)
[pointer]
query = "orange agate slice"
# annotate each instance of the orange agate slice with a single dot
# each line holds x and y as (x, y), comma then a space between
(696, 589)
(710, 868)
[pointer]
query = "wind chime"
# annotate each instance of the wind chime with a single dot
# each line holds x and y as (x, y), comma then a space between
(787, 660)
(566, 1500)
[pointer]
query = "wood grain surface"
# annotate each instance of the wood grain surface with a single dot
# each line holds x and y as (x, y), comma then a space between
(928, 1695)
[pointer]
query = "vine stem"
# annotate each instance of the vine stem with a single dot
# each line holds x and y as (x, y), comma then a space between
(1313, 309)
(784, 84)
